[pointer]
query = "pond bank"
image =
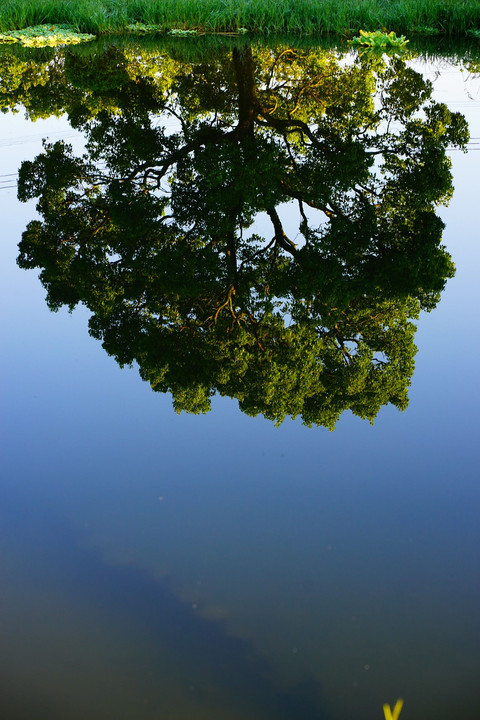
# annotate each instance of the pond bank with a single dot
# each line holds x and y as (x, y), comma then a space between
(449, 17)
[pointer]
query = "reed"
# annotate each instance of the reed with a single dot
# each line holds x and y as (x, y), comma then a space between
(450, 17)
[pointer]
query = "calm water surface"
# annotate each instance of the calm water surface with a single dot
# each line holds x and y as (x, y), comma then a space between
(216, 566)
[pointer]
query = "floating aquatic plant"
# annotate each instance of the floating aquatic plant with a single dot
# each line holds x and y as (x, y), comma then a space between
(379, 40)
(474, 34)
(45, 35)
(177, 32)
(182, 33)
(426, 30)
(144, 29)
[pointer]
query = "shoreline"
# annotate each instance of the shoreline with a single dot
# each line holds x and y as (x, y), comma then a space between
(300, 17)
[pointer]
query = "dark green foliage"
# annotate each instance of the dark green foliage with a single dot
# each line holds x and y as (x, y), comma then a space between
(152, 228)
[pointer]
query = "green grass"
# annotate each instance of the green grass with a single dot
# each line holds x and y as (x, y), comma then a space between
(449, 17)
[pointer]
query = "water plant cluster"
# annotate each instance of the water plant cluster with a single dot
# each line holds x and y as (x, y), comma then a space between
(379, 40)
(45, 36)
(450, 17)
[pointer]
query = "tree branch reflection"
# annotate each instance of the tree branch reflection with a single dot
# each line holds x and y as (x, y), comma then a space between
(172, 228)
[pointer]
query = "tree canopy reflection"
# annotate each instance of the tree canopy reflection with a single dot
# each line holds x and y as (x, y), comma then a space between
(174, 227)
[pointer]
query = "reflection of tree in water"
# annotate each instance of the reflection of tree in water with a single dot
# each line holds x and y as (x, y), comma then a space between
(152, 227)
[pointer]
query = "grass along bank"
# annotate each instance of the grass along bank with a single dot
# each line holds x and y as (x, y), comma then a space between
(450, 17)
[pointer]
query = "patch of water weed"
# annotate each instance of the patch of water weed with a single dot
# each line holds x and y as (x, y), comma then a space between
(143, 29)
(427, 31)
(182, 33)
(303, 17)
(379, 40)
(177, 32)
(139, 28)
(45, 35)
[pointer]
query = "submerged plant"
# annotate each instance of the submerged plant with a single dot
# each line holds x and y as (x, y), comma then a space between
(45, 35)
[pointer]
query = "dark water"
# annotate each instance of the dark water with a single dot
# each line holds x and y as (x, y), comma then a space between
(214, 565)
